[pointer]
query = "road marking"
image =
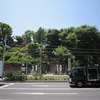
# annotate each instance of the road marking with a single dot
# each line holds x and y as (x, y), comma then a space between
(6, 85)
(5, 99)
(47, 93)
(31, 93)
(40, 85)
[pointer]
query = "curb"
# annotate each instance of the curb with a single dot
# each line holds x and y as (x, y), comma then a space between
(30, 81)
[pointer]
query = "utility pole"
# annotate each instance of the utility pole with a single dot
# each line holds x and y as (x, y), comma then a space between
(41, 55)
(69, 64)
(26, 63)
(4, 50)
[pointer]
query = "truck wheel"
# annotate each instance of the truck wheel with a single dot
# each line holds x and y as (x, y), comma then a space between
(79, 84)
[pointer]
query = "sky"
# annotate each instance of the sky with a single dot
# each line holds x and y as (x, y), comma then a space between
(24, 15)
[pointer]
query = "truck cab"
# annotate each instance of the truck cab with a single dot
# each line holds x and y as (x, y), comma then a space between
(80, 76)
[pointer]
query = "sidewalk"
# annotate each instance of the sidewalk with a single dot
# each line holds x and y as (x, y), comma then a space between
(54, 75)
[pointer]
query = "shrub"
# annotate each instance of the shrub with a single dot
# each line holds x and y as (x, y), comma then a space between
(13, 76)
(37, 76)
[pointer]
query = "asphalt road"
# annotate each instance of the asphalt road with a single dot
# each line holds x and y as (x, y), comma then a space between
(47, 91)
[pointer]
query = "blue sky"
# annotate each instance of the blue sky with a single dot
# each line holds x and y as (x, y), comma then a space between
(24, 15)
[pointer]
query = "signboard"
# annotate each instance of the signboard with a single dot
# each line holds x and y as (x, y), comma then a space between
(1, 68)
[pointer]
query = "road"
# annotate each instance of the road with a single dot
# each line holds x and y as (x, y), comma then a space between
(47, 91)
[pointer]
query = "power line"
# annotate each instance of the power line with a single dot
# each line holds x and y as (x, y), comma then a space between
(82, 49)
(87, 52)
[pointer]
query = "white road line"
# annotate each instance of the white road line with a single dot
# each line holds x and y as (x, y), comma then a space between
(31, 93)
(40, 85)
(5, 99)
(47, 93)
(6, 85)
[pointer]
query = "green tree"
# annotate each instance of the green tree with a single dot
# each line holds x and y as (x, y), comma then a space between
(19, 40)
(28, 36)
(33, 49)
(6, 30)
(53, 37)
(71, 39)
(88, 37)
(63, 54)
(87, 45)
(40, 36)
(16, 56)
(13, 56)
(52, 41)
(63, 34)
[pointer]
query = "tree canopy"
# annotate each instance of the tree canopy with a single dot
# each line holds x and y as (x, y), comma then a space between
(81, 44)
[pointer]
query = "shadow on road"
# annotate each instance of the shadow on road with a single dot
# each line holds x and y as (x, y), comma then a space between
(2, 84)
(87, 86)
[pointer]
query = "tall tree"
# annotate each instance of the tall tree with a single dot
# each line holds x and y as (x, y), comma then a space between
(19, 40)
(28, 36)
(53, 37)
(33, 49)
(88, 37)
(40, 36)
(63, 34)
(63, 54)
(52, 41)
(88, 44)
(71, 38)
(6, 30)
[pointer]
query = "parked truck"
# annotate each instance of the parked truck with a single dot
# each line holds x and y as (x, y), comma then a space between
(1, 68)
(80, 76)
